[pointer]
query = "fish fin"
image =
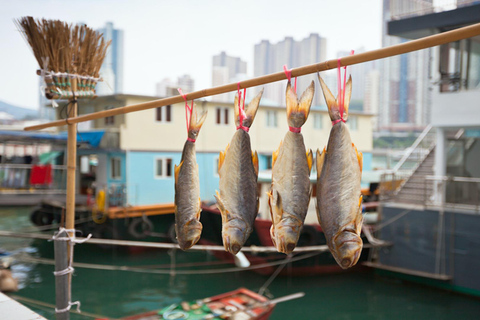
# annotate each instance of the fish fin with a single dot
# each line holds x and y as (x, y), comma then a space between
(298, 110)
(221, 157)
(176, 170)
(359, 218)
(348, 95)
(199, 209)
(275, 154)
(276, 207)
(251, 110)
(255, 161)
(221, 207)
(195, 122)
(270, 205)
(359, 157)
(320, 161)
(309, 160)
(332, 104)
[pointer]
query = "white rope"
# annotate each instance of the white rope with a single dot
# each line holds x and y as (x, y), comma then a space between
(64, 271)
(70, 304)
(69, 270)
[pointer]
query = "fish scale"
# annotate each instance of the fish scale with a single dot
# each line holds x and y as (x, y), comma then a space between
(339, 198)
(290, 192)
(237, 199)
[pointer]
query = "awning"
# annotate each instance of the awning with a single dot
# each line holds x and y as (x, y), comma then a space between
(93, 137)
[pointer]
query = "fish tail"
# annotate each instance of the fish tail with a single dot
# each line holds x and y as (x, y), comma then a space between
(298, 110)
(195, 122)
(250, 111)
(332, 103)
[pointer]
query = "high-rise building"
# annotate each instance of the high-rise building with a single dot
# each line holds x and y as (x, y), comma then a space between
(168, 87)
(112, 67)
(225, 69)
(270, 58)
(405, 97)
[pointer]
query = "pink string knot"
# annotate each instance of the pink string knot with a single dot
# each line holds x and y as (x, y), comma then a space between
(294, 129)
(288, 73)
(341, 90)
(188, 111)
(241, 108)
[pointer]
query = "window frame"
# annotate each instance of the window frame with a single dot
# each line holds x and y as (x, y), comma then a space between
(164, 114)
(112, 167)
(271, 115)
(318, 125)
(164, 174)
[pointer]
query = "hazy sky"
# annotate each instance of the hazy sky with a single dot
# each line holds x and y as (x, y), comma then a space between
(170, 38)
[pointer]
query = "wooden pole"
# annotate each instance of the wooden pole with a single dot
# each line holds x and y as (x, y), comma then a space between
(71, 161)
(62, 292)
(414, 45)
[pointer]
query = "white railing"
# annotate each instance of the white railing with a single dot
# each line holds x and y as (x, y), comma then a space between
(401, 9)
(419, 150)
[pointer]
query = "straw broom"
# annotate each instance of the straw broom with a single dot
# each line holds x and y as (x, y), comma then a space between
(70, 58)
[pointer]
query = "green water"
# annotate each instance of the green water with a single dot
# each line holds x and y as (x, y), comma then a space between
(360, 295)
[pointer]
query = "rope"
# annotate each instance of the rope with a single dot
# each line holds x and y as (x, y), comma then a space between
(69, 270)
(188, 112)
(38, 303)
(288, 73)
(341, 89)
(241, 108)
(169, 271)
(144, 244)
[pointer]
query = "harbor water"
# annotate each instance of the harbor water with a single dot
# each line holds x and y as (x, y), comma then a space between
(115, 293)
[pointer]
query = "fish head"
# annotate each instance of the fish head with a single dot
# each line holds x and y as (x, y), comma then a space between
(190, 234)
(234, 238)
(286, 236)
(347, 247)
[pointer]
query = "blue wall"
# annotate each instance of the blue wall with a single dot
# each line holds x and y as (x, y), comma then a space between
(144, 188)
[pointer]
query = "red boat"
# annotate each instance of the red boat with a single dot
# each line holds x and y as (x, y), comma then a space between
(238, 304)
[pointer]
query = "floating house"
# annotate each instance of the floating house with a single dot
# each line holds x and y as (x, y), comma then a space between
(431, 210)
(133, 155)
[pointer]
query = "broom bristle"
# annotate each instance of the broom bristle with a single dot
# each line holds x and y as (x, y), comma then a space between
(72, 49)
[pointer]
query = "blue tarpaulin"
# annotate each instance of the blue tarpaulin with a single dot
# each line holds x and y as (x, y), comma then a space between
(93, 138)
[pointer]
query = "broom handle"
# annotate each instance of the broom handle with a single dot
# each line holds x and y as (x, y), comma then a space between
(414, 45)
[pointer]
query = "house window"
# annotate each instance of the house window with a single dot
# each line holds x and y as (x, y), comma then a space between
(353, 123)
(269, 162)
(222, 115)
(115, 168)
(110, 120)
(272, 119)
(164, 114)
(163, 167)
(318, 121)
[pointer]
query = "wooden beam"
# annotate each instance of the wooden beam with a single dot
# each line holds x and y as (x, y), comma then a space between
(414, 45)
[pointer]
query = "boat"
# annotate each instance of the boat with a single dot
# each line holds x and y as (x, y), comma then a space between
(238, 304)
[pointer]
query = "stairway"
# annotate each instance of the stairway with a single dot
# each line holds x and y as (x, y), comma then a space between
(416, 189)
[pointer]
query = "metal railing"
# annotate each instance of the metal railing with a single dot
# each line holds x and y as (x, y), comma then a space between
(436, 191)
(15, 178)
(401, 9)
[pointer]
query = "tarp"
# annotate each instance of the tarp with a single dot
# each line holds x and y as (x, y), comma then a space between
(93, 137)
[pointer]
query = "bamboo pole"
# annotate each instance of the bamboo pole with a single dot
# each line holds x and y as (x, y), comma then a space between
(414, 45)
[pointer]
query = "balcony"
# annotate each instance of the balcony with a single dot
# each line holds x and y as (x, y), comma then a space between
(413, 19)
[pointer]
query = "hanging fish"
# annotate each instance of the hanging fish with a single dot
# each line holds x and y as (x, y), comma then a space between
(339, 170)
(238, 171)
(187, 188)
(290, 193)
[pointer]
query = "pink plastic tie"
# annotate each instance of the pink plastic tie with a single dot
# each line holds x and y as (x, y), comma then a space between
(294, 129)
(288, 73)
(341, 89)
(188, 112)
(241, 108)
